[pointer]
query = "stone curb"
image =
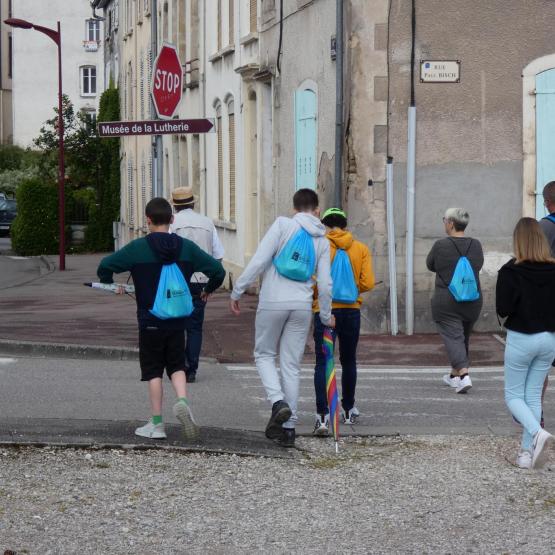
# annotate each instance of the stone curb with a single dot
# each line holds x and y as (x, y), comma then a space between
(68, 350)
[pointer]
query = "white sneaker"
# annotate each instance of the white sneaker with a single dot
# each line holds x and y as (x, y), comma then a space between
(183, 413)
(451, 382)
(351, 416)
(152, 431)
(542, 441)
(322, 425)
(464, 384)
(524, 459)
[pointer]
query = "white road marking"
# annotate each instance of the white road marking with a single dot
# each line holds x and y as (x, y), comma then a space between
(7, 360)
(384, 370)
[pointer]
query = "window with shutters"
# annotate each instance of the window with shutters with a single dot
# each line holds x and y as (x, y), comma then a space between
(142, 85)
(219, 23)
(143, 191)
(219, 132)
(150, 184)
(130, 194)
(149, 63)
(88, 80)
(306, 138)
(182, 31)
(231, 18)
(231, 158)
(253, 15)
(130, 87)
(174, 22)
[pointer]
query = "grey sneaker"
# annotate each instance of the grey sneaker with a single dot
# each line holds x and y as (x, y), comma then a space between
(350, 417)
(183, 413)
(451, 382)
(542, 442)
(281, 412)
(152, 431)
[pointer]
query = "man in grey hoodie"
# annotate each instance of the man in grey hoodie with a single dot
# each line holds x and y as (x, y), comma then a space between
(284, 311)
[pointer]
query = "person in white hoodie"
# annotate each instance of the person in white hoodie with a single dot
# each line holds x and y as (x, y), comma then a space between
(284, 311)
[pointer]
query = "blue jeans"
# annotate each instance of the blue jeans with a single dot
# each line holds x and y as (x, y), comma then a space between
(347, 331)
(528, 358)
(193, 326)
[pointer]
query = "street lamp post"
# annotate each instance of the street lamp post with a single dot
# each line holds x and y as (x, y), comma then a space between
(56, 36)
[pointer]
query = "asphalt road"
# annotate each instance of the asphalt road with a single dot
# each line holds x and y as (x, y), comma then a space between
(5, 243)
(391, 400)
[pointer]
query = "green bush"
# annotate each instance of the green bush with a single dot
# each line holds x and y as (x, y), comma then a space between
(99, 233)
(35, 228)
(11, 157)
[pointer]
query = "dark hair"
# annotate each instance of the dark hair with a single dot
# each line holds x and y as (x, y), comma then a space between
(305, 200)
(180, 207)
(335, 220)
(159, 211)
(549, 192)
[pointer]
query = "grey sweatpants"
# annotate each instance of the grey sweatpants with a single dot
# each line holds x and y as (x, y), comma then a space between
(456, 336)
(283, 333)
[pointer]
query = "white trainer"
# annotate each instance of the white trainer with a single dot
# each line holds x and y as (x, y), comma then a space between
(451, 382)
(351, 416)
(464, 385)
(542, 441)
(322, 425)
(524, 459)
(183, 413)
(152, 431)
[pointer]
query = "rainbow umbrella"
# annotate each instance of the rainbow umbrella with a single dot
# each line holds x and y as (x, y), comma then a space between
(331, 386)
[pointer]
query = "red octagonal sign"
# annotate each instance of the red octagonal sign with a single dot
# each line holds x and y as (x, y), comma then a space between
(167, 82)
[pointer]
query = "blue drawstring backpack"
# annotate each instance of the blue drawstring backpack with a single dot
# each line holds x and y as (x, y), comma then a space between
(344, 289)
(297, 259)
(173, 298)
(463, 284)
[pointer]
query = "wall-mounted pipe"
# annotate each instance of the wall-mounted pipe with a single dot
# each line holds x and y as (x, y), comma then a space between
(391, 248)
(411, 189)
(338, 190)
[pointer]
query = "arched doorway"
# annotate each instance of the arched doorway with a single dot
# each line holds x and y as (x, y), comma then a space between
(538, 80)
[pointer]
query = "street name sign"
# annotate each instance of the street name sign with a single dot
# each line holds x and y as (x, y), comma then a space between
(155, 127)
(167, 82)
(440, 71)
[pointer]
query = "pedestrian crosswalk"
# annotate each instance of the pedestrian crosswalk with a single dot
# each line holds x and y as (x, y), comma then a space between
(395, 397)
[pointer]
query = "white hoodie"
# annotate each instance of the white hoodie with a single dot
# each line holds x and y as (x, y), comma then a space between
(278, 292)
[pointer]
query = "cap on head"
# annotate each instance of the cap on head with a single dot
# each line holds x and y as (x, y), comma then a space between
(335, 212)
(183, 196)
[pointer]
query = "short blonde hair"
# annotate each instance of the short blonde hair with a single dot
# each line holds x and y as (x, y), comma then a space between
(459, 217)
(530, 242)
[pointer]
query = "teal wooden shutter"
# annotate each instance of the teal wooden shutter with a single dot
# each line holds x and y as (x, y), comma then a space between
(306, 139)
(545, 135)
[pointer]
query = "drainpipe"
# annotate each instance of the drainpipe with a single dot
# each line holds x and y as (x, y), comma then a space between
(338, 193)
(202, 60)
(391, 248)
(157, 147)
(411, 182)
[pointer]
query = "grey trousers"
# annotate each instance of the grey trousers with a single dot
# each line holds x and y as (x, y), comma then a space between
(282, 332)
(456, 336)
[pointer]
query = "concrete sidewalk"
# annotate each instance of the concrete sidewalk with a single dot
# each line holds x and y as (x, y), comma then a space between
(55, 308)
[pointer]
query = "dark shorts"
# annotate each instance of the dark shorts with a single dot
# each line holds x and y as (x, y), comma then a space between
(159, 350)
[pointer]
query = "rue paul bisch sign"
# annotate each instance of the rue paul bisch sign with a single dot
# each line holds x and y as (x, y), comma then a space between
(440, 71)
(155, 127)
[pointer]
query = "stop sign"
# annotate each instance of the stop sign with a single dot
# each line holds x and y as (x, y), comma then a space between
(167, 81)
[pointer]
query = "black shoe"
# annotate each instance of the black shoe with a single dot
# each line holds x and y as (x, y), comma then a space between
(191, 377)
(287, 438)
(280, 414)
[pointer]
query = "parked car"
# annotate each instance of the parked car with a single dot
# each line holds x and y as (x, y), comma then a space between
(8, 212)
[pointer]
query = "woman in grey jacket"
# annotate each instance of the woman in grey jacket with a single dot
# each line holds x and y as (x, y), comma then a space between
(454, 319)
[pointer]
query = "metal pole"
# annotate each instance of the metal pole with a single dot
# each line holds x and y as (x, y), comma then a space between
(338, 193)
(411, 179)
(61, 169)
(157, 147)
(391, 248)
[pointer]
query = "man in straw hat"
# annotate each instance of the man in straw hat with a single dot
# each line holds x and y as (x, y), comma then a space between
(201, 231)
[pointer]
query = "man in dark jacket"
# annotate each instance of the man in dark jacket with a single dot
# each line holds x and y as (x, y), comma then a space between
(161, 342)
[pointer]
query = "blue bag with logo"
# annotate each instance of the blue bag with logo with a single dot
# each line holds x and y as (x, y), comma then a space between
(297, 259)
(463, 285)
(173, 298)
(344, 289)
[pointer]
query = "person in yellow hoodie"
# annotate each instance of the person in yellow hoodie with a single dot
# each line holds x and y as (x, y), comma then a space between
(353, 276)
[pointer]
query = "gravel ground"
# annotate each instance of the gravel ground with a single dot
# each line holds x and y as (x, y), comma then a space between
(382, 495)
